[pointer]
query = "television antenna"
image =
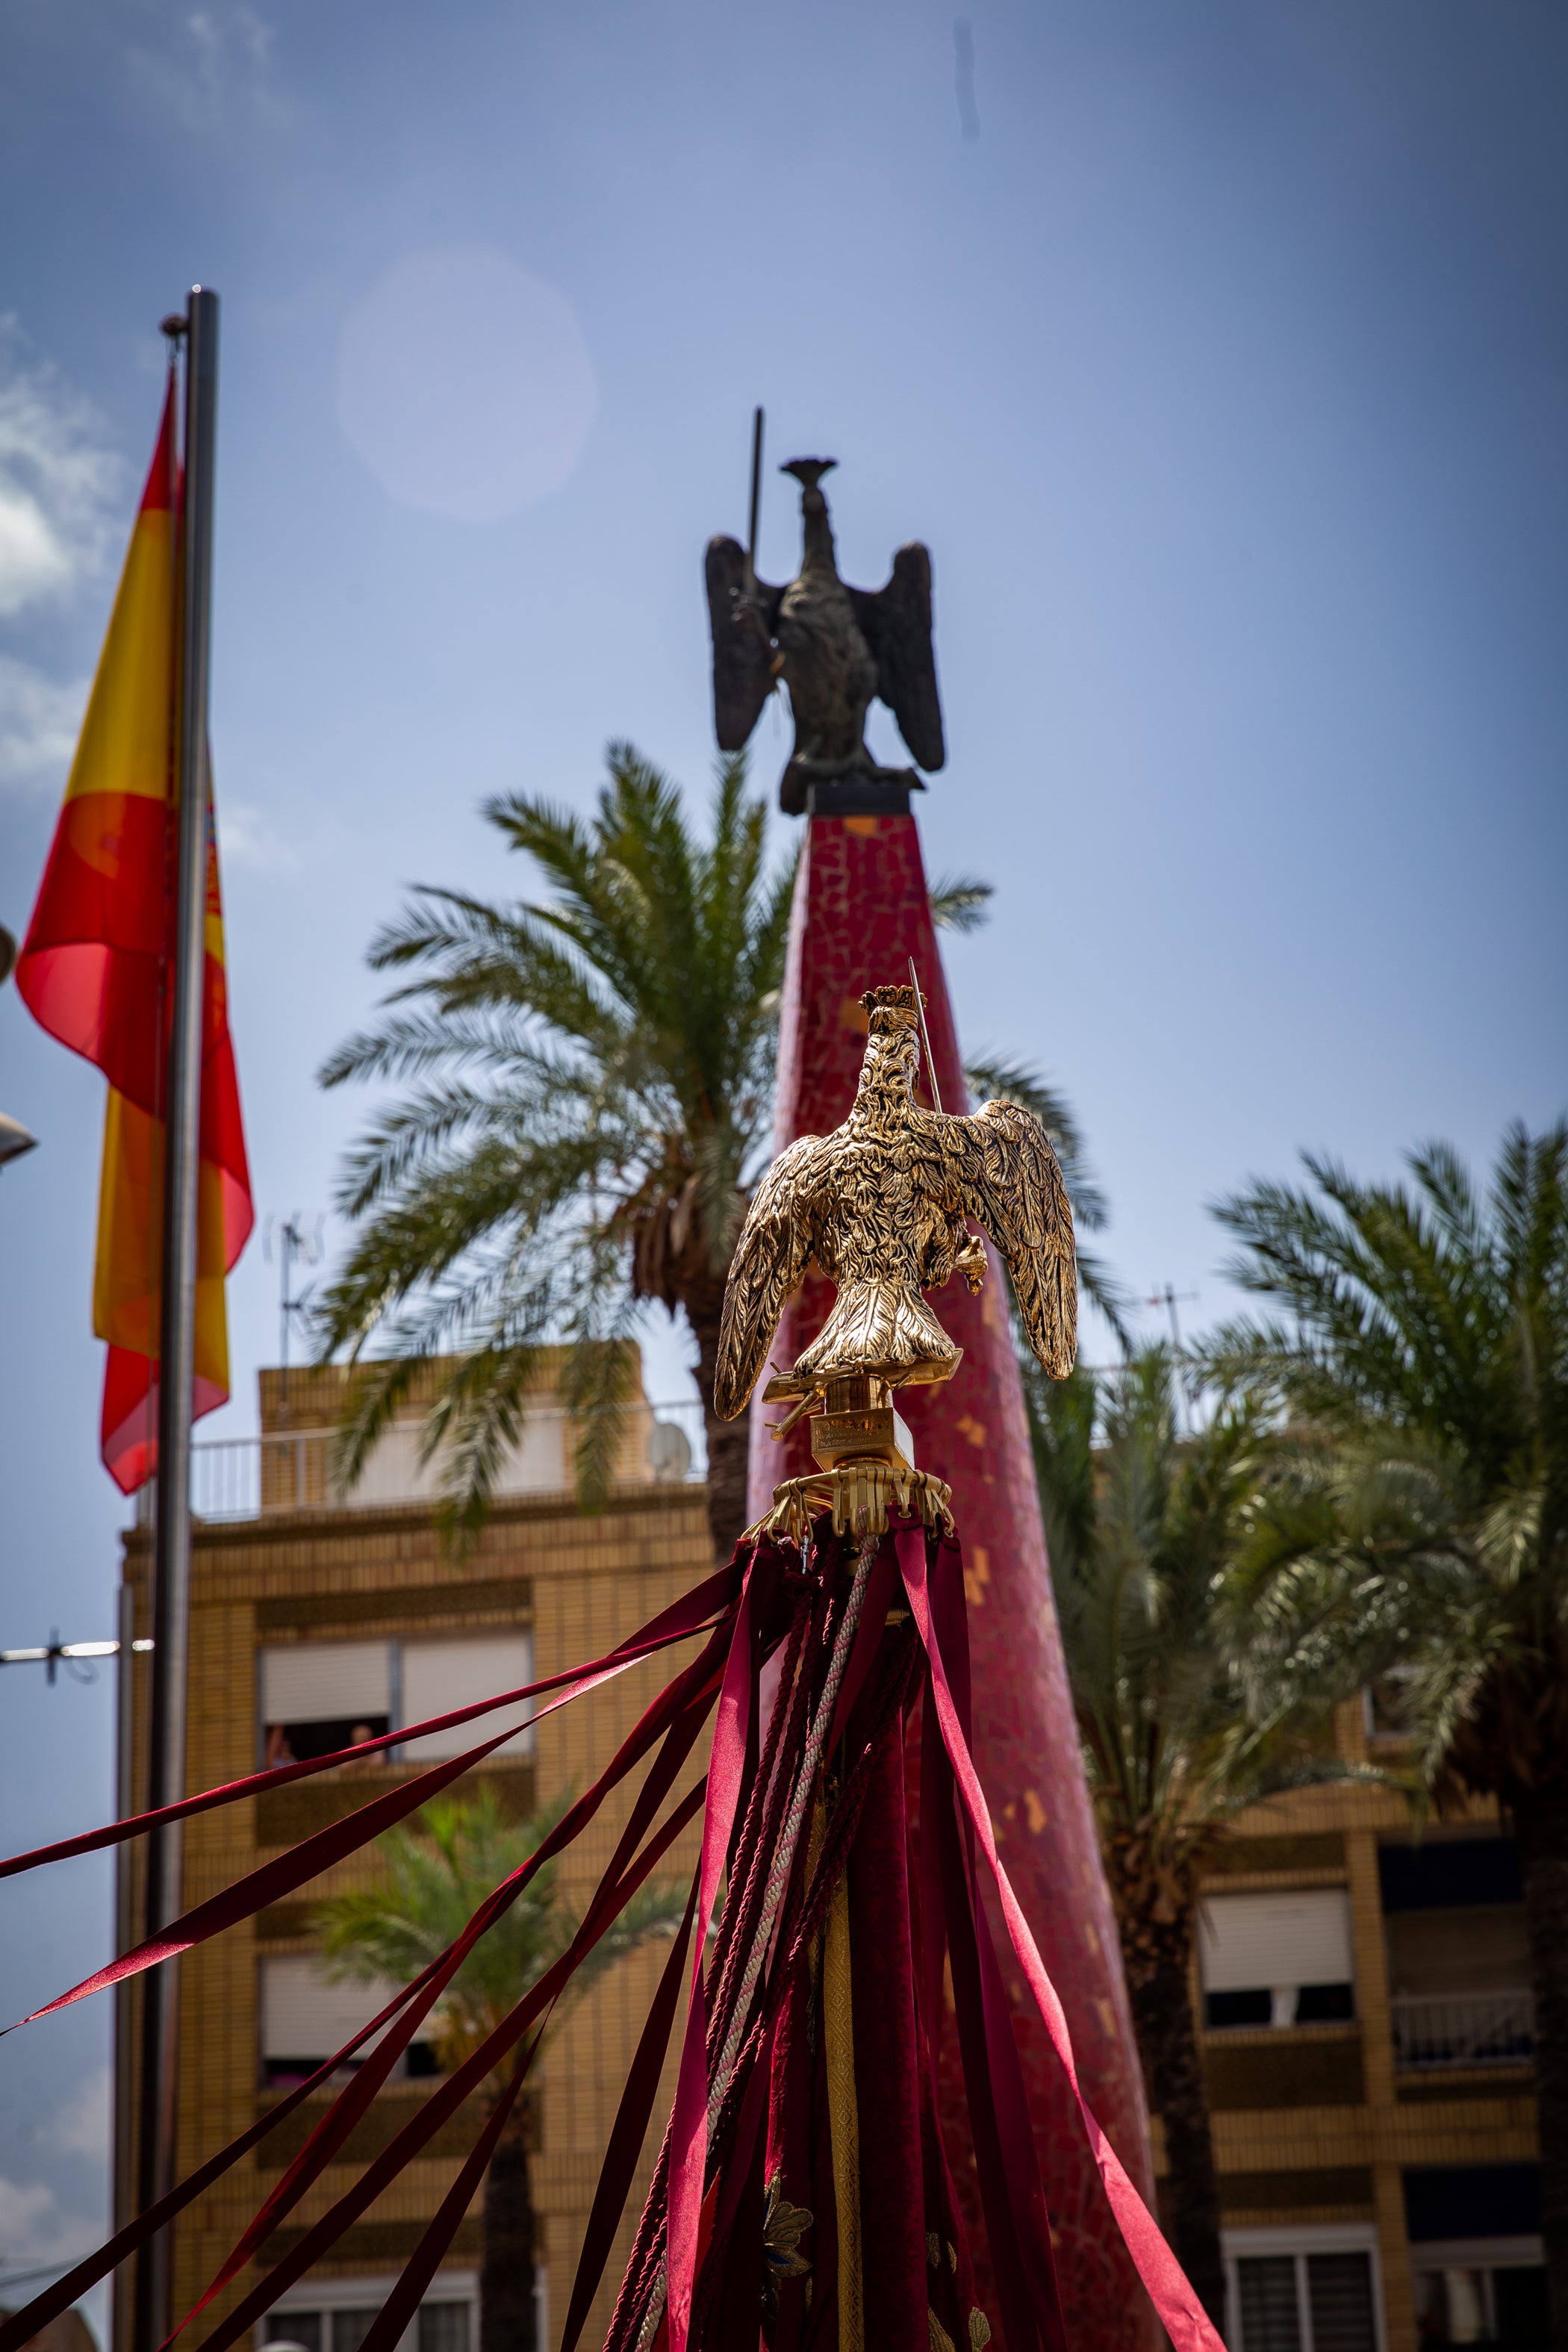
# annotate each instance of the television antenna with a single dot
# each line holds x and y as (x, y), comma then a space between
(1170, 1299)
(13, 1137)
(294, 1242)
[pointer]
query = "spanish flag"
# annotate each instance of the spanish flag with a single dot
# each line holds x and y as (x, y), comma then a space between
(96, 971)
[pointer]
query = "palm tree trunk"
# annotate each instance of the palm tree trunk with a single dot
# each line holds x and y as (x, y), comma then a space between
(1157, 1957)
(728, 1441)
(506, 2277)
(1540, 1822)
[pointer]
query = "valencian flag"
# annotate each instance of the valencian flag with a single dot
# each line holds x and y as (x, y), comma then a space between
(97, 972)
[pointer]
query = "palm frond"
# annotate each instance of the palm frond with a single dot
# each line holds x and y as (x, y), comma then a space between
(1185, 1718)
(558, 1059)
(1426, 1371)
(959, 902)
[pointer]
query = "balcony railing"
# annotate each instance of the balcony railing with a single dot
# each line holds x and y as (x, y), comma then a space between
(248, 1477)
(1463, 2029)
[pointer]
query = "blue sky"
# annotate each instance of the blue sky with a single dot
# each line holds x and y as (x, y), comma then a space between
(1222, 371)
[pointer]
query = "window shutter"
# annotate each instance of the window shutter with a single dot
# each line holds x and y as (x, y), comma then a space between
(440, 1675)
(1248, 1942)
(303, 2016)
(1338, 2289)
(322, 1682)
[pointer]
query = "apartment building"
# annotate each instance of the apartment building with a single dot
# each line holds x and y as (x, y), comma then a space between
(1367, 2038)
(319, 1616)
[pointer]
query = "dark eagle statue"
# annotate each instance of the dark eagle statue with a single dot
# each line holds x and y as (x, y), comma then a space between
(833, 645)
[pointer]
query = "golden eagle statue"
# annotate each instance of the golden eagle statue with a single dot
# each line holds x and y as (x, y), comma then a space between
(880, 1204)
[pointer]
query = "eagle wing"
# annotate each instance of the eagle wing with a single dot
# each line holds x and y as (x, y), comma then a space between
(1008, 1181)
(896, 623)
(742, 658)
(769, 1259)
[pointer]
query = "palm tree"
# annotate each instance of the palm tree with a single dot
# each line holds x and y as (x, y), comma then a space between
(1422, 1339)
(436, 1873)
(1142, 1526)
(593, 1090)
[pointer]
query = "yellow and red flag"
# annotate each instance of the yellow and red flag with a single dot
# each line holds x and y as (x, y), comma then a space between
(95, 970)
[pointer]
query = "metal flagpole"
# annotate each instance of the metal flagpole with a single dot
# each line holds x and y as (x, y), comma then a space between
(176, 1350)
(125, 1938)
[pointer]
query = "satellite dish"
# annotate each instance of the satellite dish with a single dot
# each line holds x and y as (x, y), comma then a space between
(668, 1450)
(15, 1140)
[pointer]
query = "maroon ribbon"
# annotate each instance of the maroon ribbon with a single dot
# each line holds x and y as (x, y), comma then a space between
(688, 1691)
(628, 2131)
(688, 1695)
(443, 2102)
(23, 2325)
(690, 1614)
(391, 2322)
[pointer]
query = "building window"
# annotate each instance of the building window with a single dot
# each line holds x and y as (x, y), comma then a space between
(1475, 2255)
(335, 2316)
(304, 2019)
(1458, 1966)
(444, 2327)
(438, 1677)
(319, 1697)
(303, 2329)
(1276, 1959)
(1302, 2290)
(1473, 2292)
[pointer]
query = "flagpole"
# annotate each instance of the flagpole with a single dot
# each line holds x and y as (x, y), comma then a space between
(177, 1351)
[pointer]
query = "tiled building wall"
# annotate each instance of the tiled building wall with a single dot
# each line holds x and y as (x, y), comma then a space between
(1312, 2124)
(582, 1584)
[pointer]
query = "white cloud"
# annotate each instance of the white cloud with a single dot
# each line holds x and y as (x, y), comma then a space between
(39, 719)
(81, 2126)
(61, 483)
(247, 838)
(214, 65)
(237, 33)
(34, 2231)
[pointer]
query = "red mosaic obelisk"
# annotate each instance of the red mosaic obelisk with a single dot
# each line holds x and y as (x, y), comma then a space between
(860, 912)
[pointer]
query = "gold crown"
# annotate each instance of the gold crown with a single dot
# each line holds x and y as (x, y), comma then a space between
(899, 1006)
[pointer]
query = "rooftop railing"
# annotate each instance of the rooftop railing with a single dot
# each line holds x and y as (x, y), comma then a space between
(292, 1470)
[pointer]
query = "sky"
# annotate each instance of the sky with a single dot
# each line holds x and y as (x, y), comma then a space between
(1217, 348)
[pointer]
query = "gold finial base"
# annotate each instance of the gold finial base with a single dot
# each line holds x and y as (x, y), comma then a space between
(859, 1495)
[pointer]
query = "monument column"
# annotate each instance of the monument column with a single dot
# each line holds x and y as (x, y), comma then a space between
(860, 912)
